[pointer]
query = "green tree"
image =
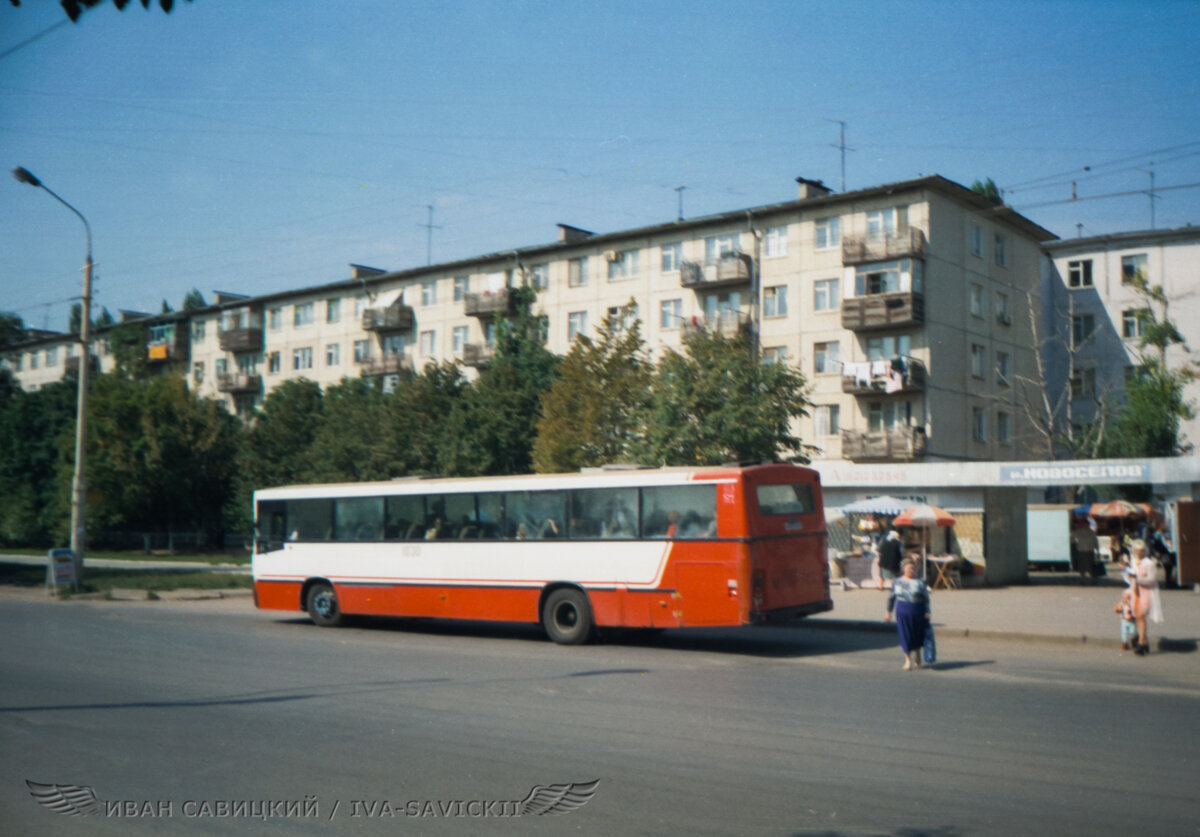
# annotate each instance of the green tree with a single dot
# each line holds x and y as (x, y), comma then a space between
(989, 190)
(418, 412)
(34, 428)
(127, 342)
(75, 8)
(194, 301)
(491, 429)
(718, 403)
(593, 414)
(354, 441)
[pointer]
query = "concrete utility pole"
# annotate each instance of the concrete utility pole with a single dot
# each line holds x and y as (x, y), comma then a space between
(79, 481)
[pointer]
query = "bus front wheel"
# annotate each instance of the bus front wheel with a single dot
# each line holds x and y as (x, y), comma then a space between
(567, 616)
(323, 606)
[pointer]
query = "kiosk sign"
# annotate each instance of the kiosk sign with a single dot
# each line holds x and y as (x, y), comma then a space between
(61, 569)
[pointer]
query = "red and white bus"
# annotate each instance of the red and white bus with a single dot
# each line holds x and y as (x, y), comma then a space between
(665, 548)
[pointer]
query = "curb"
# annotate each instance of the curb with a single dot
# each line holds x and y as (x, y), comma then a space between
(961, 633)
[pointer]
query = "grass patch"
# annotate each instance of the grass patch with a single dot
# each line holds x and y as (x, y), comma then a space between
(99, 580)
(239, 557)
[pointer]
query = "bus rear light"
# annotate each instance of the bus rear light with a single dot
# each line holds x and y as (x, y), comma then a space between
(733, 588)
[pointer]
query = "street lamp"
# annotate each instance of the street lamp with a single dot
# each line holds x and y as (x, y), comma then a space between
(78, 482)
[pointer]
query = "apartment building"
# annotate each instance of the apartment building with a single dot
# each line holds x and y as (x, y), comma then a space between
(1089, 300)
(908, 307)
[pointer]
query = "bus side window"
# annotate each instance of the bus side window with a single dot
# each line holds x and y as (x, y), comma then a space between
(269, 528)
(679, 511)
(604, 513)
(309, 520)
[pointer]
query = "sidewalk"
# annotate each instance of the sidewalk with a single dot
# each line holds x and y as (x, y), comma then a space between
(1051, 608)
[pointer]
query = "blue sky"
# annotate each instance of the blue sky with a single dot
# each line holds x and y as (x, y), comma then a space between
(254, 147)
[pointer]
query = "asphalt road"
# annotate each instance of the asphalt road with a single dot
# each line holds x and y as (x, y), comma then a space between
(439, 728)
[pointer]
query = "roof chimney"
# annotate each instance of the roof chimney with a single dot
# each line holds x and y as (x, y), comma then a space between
(812, 188)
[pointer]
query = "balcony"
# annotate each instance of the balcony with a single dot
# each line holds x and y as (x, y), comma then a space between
(239, 384)
(732, 269)
(879, 378)
(395, 317)
(489, 303)
(386, 365)
(477, 354)
(863, 249)
(727, 323)
(166, 352)
(241, 340)
(878, 311)
(897, 444)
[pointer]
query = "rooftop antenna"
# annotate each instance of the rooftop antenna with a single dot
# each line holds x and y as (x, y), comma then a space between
(842, 145)
(429, 228)
(679, 191)
(1151, 192)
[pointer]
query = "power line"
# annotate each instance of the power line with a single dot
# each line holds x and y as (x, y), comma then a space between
(1101, 197)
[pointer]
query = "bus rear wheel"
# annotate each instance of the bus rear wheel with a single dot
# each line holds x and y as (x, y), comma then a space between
(567, 616)
(323, 606)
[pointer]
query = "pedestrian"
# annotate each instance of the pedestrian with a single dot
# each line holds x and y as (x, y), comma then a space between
(1146, 602)
(910, 600)
(1124, 609)
(1084, 545)
(891, 552)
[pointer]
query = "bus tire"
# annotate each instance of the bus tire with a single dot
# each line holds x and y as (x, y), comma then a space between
(323, 607)
(567, 616)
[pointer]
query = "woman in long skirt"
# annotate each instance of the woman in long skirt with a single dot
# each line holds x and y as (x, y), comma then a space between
(910, 601)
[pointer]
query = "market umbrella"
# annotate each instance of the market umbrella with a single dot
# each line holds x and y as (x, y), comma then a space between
(924, 517)
(877, 505)
(1116, 508)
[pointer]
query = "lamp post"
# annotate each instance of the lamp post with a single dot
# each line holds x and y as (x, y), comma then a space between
(78, 482)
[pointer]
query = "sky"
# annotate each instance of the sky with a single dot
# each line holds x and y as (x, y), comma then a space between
(259, 147)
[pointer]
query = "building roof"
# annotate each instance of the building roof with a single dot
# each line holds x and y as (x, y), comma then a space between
(1124, 240)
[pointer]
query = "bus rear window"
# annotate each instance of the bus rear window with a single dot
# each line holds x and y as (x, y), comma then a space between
(795, 498)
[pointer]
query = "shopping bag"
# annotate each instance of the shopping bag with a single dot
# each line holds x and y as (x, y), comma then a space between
(930, 645)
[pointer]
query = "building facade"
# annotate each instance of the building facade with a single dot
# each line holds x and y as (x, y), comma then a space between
(910, 307)
(1091, 301)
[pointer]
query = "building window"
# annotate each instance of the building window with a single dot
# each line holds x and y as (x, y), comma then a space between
(429, 293)
(1134, 267)
(881, 415)
(828, 234)
(978, 424)
(302, 359)
(362, 351)
(33, 360)
(1001, 245)
(1079, 274)
(775, 242)
(333, 354)
(1083, 383)
(576, 324)
(978, 360)
(825, 419)
(274, 319)
(622, 264)
(302, 314)
(1131, 322)
(1003, 368)
(718, 246)
(428, 338)
(883, 223)
(52, 357)
(1003, 314)
(577, 272)
(775, 354)
(826, 295)
(672, 255)
(976, 240)
(975, 299)
(670, 313)
(889, 346)
(333, 310)
(221, 367)
(274, 363)
(1082, 326)
(458, 339)
(462, 286)
(198, 372)
(393, 345)
(198, 331)
(360, 305)
(539, 277)
(1003, 428)
(825, 358)
(775, 301)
